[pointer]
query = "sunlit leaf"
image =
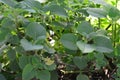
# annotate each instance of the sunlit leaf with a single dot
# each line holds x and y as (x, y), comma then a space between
(85, 48)
(97, 12)
(29, 46)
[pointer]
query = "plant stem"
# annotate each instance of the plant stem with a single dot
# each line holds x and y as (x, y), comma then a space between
(99, 23)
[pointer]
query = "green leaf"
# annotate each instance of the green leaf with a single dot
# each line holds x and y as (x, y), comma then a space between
(103, 44)
(102, 2)
(85, 48)
(35, 31)
(100, 60)
(69, 41)
(33, 4)
(118, 49)
(14, 39)
(54, 75)
(7, 23)
(29, 46)
(48, 49)
(80, 62)
(50, 67)
(97, 12)
(28, 72)
(10, 3)
(3, 34)
(2, 77)
(114, 13)
(11, 54)
(85, 28)
(43, 75)
(35, 60)
(23, 61)
(56, 9)
(118, 70)
(117, 78)
(14, 66)
(82, 77)
(99, 56)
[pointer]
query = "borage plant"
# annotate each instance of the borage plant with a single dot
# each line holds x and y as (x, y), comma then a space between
(59, 40)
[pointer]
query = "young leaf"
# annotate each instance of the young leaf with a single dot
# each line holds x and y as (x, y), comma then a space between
(69, 41)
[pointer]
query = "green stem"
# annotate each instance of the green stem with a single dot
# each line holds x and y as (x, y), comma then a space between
(99, 23)
(116, 3)
(114, 30)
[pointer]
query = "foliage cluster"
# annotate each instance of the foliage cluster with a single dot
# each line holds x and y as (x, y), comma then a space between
(59, 40)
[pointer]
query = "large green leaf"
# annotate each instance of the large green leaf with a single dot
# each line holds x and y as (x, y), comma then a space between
(56, 9)
(85, 28)
(43, 75)
(7, 23)
(82, 77)
(80, 62)
(29, 46)
(85, 48)
(2, 77)
(28, 72)
(103, 44)
(33, 4)
(97, 12)
(114, 13)
(35, 31)
(10, 3)
(69, 41)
